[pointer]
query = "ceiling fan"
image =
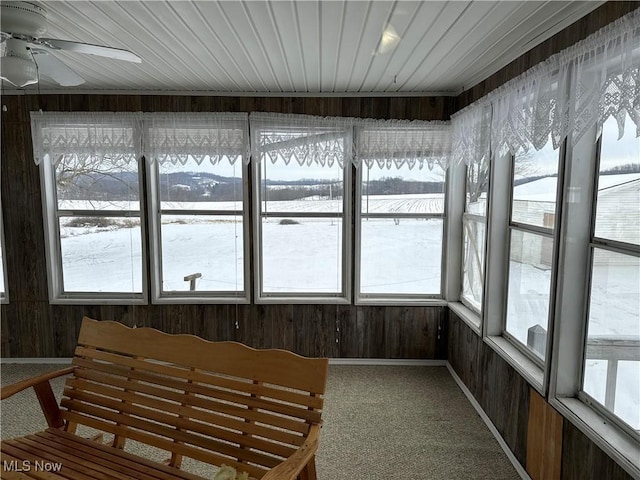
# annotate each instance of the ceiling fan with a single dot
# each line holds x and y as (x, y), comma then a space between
(25, 54)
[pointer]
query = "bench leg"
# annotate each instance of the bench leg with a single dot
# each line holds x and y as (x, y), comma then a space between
(309, 471)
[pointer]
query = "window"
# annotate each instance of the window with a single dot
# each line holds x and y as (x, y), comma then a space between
(302, 210)
(200, 229)
(474, 225)
(400, 210)
(611, 367)
(95, 228)
(531, 248)
(400, 230)
(4, 298)
(197, 171)
(104, 175)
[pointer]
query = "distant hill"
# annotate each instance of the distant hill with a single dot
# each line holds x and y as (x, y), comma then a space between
(208, 187)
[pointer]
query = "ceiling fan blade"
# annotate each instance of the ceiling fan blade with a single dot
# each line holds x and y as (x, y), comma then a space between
(52, 67)
(78, 47)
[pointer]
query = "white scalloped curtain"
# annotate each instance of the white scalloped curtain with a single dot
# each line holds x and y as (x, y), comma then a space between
(403, 143)
(309, 140)
(178, 138)
(302, 139)
(160, 137)
(562, 97)
(85, 135)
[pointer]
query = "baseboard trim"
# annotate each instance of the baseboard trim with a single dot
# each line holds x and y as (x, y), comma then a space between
(512, 458)
(388, 362)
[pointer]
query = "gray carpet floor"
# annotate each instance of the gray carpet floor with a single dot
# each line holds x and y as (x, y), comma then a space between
(380, 423)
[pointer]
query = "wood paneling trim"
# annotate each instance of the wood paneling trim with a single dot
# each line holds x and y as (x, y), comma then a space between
(544, 440)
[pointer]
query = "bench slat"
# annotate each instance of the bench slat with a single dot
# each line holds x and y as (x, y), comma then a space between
(129, 423)
(70, 455)
(278, 367)
(110, 455)
(11, 474)
(290, 396)
(168, 445)
(291, 424)
(78, 466)
(13, 448)
(303, 413)
(189, 412)
(131, 407)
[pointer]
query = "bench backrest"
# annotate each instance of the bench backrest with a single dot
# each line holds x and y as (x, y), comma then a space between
(217, 402)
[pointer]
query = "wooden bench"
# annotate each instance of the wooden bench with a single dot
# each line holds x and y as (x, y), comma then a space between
(216, 402)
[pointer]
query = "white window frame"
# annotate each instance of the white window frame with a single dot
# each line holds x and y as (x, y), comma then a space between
(399, 298)
(4, 295)
(155, 216)
(476, 313)
(342, 297)
(571, 315)
(51, 214)
(552, 233)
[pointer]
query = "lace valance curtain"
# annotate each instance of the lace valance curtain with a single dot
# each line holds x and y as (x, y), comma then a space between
(86, 135)
(161, 137)
(303, 139)
(402, 143)
(470, 134)
(564, 96)
(177, 137)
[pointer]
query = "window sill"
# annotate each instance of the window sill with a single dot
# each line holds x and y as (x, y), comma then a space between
(531, 372)
(303, 300)
(406, 301)
(98, 301)
(468, 316)
(178, 299)
(611, 439)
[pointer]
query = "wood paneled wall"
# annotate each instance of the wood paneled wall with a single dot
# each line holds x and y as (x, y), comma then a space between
(500, 391)
(31, 327)
(579, 30)
(510, 404)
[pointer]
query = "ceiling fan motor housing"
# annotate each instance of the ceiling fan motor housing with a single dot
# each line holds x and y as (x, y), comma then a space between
(23, 19)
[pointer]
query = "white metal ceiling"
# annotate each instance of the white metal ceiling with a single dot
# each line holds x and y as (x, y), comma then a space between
(310, 46)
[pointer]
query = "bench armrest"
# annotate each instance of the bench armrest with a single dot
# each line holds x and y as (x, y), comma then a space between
(42, 387)
(292, 466)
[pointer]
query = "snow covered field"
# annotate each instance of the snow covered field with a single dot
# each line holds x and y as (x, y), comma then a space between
(401, 256)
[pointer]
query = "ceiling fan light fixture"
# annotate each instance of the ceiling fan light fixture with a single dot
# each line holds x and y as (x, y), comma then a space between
(16, 63)
(18, 71)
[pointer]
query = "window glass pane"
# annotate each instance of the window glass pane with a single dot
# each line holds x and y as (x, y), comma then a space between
(528, 289)
(101, 254)
(302, 255)
(534, 187)
(477, 187)
(209, 247)
(402, 190)
(401, 256)
(201, 187)
(307, 188)
(618, 207)
(473, 262)
(612, 360)
(97, 184)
